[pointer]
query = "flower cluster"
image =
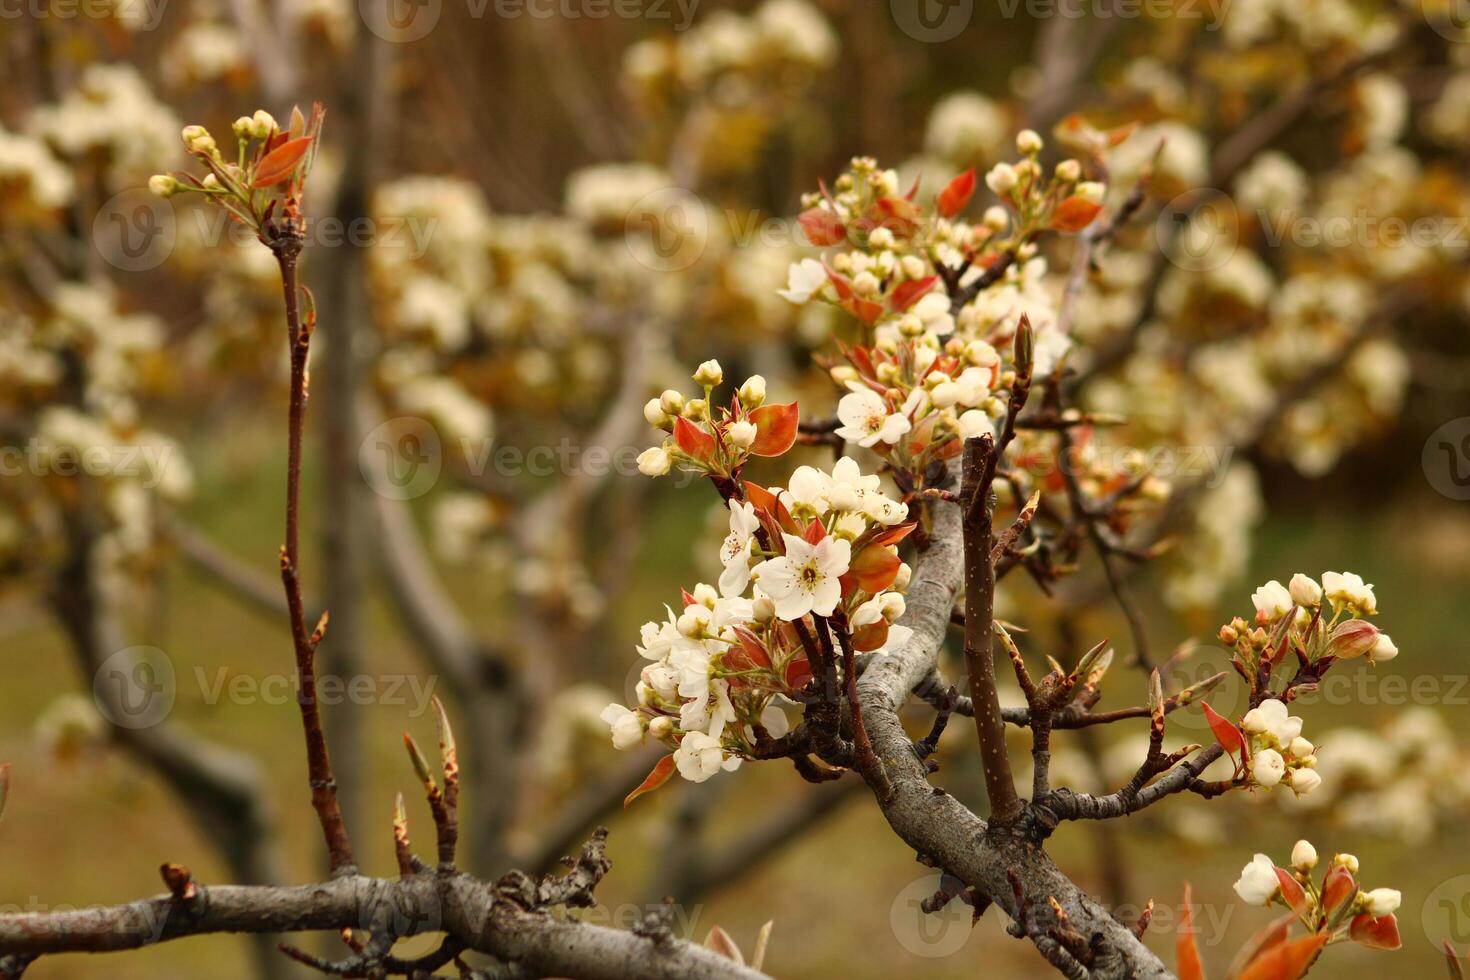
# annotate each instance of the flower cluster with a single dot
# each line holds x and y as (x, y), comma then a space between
(808, 569)
(1304, 618)
(1296, 614)
(1334, 909)
(717, 441)
(260, 184)
(1278, 752)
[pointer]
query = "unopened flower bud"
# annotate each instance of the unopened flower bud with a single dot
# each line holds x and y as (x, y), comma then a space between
(912, 266)
(1300, 748)
(265, 124)
(843, 373)
(1002, 179)
(763, 610)
(1069, 171)
(210, 181)
(654, 461)
(1383, 650)
(709, 374)
(894, 606)
(1090, 190)
(995, 217)
(1304, 856)
(905, 573)
(1352, 639)
(197, 139)
(163, 185)
(653, 412)
(661, 727)
(671, 402)
(1381, 901)
(696, 410)
(753, 392)
(244, 127)
(1303, 781)
(1228, 636)
(1349, 861)
(865, 284)
(742, 434)
(1028, 141)
(1304, 590)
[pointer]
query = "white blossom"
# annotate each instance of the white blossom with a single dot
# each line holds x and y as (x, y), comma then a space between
(1258, 883)
(805, 579)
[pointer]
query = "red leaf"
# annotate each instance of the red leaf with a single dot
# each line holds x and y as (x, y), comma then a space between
(822, 226)
(689, 600)
(1272, 934)
(752, 652)
(1287, 961)
(656, 778)
(900, 216)
(280, 163)
(874, 569)
(1291, 890)
(1074, 214)
(906, 294)
(1379, 933)
(798, 672)
(760, 497)
(775, 429)
(814, 532)
(957, 194)
(1225, 733)
(693, 440)
(895, 534)
(1339, 887)
(1186, 947)
(870, 637)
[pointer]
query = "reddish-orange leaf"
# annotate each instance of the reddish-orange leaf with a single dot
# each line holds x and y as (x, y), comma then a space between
(758, 495)
(870, 637)
(775, 429)
(900, 216)
(822, 226)
(1291, 890)
(865, 310)
(1186, 947)
(1272, 934)
(1074, 214)
(895, 534)
(1225, 733)
(957, 194)
(656, 778)
(874, 569)
(1286, 961)
(693, 440)
(814, 532)
(907, 293)
(1379, 933)
(1337, 888)
(752, 651)
(279, 164)
(798, 672)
